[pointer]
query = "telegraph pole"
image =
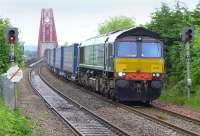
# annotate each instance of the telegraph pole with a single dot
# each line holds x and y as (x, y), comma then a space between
(187, 35)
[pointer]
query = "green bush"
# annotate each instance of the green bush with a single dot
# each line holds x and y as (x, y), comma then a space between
(12, 123)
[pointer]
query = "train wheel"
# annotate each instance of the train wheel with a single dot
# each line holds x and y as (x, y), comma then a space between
(101, 91)
(106, 93)
(147, 103)
(112, 94)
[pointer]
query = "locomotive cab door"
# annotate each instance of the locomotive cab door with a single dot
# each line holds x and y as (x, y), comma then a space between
(109, 57)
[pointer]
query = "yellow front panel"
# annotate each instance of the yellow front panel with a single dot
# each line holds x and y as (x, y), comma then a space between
(139, 65)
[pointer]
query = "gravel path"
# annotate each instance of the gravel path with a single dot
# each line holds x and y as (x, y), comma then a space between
(47, 123)
(131, 123)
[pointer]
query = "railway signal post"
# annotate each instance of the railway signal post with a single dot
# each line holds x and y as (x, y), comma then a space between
(14, 74)
(187, 39)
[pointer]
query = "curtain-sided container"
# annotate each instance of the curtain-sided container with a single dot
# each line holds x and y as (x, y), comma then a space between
(70, 59)
(51, 58)
(57, 58)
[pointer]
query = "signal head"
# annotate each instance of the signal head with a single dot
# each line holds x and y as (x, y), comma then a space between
(11, 35)
(187, 34)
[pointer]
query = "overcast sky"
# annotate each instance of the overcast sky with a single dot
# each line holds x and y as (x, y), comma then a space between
(76, 20)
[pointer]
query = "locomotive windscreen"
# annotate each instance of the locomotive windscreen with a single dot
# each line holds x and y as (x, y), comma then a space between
(151, 50)
(126, 49)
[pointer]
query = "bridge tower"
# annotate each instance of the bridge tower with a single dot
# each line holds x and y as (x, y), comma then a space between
(47, 32)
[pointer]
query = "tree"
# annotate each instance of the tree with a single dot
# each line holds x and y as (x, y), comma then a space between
(4, 49)
(196, 16)
(115, 24)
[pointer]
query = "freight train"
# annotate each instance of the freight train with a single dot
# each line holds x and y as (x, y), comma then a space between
(125, 65)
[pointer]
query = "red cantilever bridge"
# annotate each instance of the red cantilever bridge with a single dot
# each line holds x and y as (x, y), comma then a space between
(47, 32)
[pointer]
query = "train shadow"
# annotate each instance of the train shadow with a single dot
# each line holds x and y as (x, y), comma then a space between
(137, 104)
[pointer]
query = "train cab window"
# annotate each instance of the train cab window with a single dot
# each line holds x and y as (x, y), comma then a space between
(126, 49)
(151, 50)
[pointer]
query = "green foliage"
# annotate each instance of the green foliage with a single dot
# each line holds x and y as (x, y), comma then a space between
(196, 16)
(195, 66)
(18, 55)
(115, 24)
(4, 49)
(13, 123)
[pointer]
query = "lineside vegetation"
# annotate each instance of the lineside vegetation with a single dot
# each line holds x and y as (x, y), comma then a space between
(12, 123)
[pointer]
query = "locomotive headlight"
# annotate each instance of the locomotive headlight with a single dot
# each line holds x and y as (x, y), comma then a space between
(121, 74)
(157, 74)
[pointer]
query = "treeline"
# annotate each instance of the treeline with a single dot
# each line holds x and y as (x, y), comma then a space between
(4, 48)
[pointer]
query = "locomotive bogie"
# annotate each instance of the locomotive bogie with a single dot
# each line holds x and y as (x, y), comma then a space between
(145, 91)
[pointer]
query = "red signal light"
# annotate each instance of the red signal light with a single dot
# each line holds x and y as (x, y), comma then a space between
(11, 35)
(11, 38)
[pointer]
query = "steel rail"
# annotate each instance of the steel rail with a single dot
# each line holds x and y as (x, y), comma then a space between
(189, 119)
(157, 120)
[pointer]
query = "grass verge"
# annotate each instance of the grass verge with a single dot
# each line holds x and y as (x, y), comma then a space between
(178, 95)
(13, 123)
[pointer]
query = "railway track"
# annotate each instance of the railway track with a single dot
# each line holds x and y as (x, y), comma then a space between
(196, 121)
(156, 117)
(163, 121)
(82, 121)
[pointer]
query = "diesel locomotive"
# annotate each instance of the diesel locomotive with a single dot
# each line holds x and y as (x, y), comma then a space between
(126, 65)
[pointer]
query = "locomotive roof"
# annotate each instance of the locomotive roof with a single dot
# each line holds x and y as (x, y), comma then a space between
(111, 37)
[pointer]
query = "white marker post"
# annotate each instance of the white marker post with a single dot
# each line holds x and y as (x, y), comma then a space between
(14, 75)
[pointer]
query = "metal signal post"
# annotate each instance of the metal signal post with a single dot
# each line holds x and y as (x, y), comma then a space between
(188, 78)
(187, 39)
(14, 74)
(12, 54)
